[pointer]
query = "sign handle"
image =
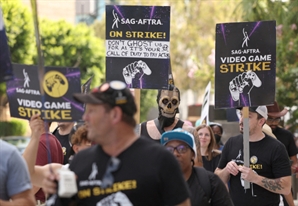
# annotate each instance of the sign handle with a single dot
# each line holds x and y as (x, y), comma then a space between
(245, 113)
(137, 95)
(38, 46)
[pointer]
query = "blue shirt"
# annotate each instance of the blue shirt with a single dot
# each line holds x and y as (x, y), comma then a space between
(14, 175)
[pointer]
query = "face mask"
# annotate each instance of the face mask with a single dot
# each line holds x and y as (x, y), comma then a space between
(217, 138)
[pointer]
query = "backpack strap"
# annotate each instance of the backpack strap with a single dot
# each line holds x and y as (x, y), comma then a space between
(204, 181)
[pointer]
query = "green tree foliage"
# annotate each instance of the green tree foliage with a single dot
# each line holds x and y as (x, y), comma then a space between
(15, 127)
(193, 38)
(148, 100)
(286, 15)
(19, 30)
(64, 44)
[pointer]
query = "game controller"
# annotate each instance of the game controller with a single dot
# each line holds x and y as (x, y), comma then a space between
(237, 85)
(254, 78)
(144, 67)
(129, 72)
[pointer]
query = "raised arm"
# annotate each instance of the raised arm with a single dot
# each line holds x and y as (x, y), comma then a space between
(30, 153)
(37, 173)
(280, 185)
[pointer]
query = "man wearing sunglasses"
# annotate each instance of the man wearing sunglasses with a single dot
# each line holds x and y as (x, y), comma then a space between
(182, 145)
(122, 169)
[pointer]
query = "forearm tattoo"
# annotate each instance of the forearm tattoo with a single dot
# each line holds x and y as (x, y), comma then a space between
(273, 185)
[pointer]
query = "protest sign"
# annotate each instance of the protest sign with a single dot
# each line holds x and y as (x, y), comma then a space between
(245, 64)
(5, 63)
(245, 70)
(138, 45)
(85, 88)
(57, 104)
(205, 105)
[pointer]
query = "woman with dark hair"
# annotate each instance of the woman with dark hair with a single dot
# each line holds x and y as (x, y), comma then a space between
(207, 142)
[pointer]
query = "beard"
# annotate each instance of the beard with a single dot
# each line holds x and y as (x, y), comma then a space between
(273, 127)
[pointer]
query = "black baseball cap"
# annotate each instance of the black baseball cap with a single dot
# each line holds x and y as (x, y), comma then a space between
(113, 93)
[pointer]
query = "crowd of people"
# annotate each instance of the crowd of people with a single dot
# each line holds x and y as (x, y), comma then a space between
(163, 161)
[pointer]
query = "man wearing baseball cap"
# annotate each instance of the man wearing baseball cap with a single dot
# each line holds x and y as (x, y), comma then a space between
(122, 169)
(269, 173)
(182, 145)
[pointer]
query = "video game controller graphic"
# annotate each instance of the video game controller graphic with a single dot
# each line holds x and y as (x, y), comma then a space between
(246, 79)
(130, 71)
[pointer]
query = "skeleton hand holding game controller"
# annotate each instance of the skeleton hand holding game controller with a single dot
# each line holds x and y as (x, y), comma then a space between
(130, 71)
(241, 81)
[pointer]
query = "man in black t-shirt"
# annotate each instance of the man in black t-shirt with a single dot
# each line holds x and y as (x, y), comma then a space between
(285, 137)
(269, 173)
(122, 169)
(62, 134)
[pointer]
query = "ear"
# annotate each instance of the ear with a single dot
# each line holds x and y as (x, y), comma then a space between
(116, 114)
(75, 148)
(263, 121)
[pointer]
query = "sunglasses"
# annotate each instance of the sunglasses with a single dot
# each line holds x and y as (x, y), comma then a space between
(113, 89)
(270, 120)
(181, 149)
(108, 178)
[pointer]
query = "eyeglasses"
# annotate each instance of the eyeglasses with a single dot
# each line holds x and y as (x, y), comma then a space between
(115, 89)
(108, 178)
(270, 120)
(181, 149)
